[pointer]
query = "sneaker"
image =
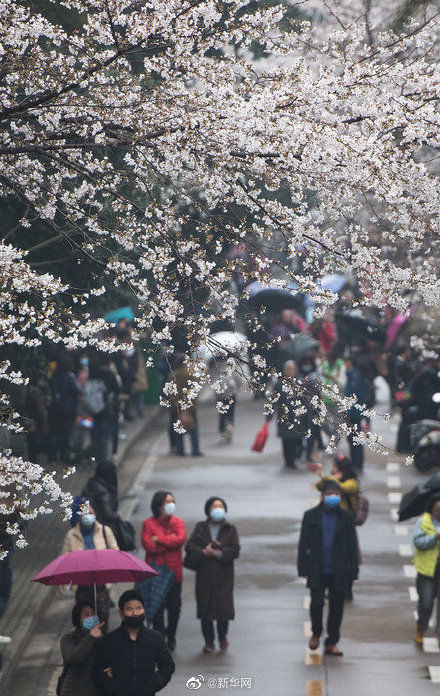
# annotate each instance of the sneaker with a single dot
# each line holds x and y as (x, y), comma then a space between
(4, 640)
(223, 643)
(208, 648)
(418, 637)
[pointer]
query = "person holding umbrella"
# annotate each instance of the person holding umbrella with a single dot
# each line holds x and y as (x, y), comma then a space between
(163, 536)
(426, 542)
(86, 534)
(133, 660)
(211, 551)
(78, 651)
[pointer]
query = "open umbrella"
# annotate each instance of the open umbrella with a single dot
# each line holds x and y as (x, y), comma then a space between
(94, 567)
(117, 314)
(274, 298)
(334, 282)
(154, 590)
(299, 346)
(414, 502)
(231, 341)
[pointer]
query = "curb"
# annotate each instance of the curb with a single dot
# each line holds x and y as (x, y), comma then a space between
(41, 595)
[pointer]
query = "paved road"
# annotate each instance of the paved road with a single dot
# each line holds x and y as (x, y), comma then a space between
(267, 639)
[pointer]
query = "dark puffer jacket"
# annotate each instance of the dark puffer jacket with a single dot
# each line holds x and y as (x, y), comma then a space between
(140, 667)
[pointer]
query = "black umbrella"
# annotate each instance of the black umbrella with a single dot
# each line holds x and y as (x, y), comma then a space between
(414, 502)
(295, 349)
(275, 298)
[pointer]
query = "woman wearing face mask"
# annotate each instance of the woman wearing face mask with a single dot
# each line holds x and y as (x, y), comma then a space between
(163, 536)
(87, 533)
(78, 651)
(211, 550)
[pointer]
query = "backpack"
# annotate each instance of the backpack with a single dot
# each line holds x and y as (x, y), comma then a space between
(94, 398)
(362, 510)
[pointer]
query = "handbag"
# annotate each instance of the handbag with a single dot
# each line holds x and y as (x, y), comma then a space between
(125, 535)
(188, 562)
(362, 510)
(260, 438)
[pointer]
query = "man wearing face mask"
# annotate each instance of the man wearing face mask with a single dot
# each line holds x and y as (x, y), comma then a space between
(328, 558)
(163, 536)
(132, 660)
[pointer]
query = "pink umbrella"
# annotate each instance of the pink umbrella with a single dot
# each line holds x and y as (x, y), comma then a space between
(94, 567)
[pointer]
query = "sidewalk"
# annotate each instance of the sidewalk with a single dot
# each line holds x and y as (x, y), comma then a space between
(29, 600)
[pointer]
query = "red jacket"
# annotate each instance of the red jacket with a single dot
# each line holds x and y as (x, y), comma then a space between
(171, 535)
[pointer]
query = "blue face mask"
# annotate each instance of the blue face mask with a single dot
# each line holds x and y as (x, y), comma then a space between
(170, 508)
(218, 514)
(332, 500)
(89, 622)
(84, 362)
(88, 520)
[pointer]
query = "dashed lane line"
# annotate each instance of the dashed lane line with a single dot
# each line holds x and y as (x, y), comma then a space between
(314, 688)
(430, 645)
(405, 550)
(434, 673)
(394, 498)
(393, 467)
(394, 514)
(401, 530)
(394, 482)
(307, 629)
(313, 657)
(413, 594)
(409, 571)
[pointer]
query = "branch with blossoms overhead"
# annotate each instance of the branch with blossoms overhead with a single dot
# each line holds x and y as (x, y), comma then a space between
(146, 139)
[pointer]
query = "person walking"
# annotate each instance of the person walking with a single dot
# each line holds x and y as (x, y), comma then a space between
(211, 551)
(328, 559)
(65, 390)
(356, 386)
(100, 397)
(78, 652)
(133, 660)
(163, 536)
(87, 533)
(290, 428)
(426, 542)
(180, 379)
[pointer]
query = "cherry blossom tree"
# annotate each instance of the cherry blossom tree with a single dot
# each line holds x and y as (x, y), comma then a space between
(132, 128)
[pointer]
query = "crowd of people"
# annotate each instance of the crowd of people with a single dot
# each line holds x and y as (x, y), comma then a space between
(135, 660)
(90, 394)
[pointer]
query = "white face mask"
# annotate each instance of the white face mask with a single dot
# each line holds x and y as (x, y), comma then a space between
(88, 520)
(217, 514)
(169, 508)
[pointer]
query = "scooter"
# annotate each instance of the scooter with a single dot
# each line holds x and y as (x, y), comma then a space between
(425, 441)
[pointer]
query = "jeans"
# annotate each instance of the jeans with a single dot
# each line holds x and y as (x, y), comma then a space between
(292, 447)
(208, 629)
(5, 583)
(336, 609)
(173, 604)
(101, 436)
(428, 590)
(227, 418)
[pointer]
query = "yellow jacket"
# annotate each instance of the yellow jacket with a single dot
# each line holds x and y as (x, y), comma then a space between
(350, 492)
(425, 560)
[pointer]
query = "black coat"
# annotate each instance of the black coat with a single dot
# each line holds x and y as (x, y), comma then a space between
(104, 501)
(214, 577)
(345, 551)
(140, 668)
(286, 417)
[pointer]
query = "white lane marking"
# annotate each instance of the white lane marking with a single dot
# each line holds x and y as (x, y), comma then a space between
(393, 467)
(413, 594)
(434, 673)
(430, 645)
(401, 530)
(307, 629)
(394, 514)
(307, 602)
(394, 498)
(409, 571)
(394, 482)
(406, 550)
